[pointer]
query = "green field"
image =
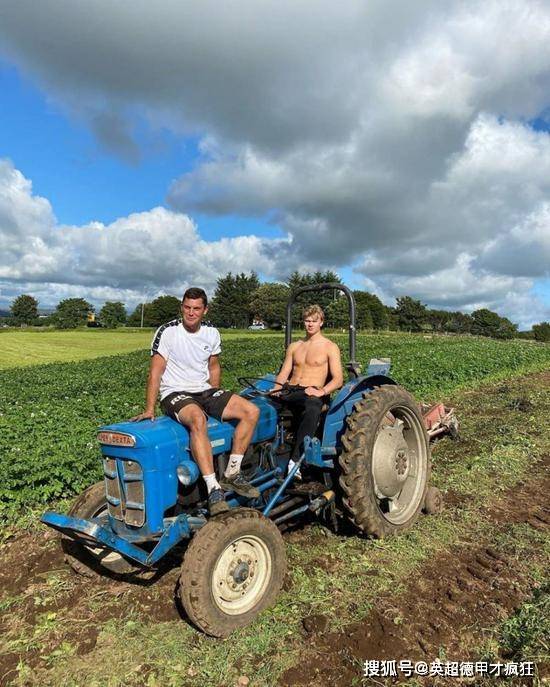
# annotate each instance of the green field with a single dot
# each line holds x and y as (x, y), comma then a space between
(49, 414)
(63, 630)
(23, 347)
(20, 348)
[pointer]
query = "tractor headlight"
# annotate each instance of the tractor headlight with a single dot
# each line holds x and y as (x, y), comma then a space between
(187, 473)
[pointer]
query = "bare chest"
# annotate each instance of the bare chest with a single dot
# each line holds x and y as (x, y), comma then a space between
(310, 356)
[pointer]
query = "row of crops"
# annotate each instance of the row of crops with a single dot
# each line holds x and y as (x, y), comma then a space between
(49, 414)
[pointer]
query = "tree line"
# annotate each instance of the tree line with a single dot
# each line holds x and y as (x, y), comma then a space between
(240, 299)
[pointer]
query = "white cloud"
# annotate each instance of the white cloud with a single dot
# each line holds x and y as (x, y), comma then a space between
(140, 255)
(524, 250)
(391, 136)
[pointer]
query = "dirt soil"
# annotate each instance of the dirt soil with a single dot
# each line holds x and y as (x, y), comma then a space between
(447, 604)
(44, 584)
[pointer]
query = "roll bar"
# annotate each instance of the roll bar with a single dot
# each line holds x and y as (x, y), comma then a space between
(353, 367)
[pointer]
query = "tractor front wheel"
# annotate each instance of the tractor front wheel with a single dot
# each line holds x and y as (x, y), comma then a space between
(233, 569)
(85, 558)
(385, 462)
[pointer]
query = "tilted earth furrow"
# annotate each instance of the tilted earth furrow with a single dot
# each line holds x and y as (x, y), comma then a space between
(452, 598)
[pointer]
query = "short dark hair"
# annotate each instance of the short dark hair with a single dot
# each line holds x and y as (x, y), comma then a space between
(195, 292)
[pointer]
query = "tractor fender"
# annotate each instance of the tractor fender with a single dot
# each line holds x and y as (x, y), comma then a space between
(342, 405)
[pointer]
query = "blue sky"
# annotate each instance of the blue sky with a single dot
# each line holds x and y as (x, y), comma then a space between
(85, 182)
(143, 149)
(68, 166)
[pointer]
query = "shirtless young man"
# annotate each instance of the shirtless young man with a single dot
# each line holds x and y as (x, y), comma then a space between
(308, 364)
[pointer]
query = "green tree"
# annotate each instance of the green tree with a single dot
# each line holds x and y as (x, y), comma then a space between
(161, 310)
(488, 323)
(24, 309)
(379, 312)
(485, 322)
(337, 313)
(393, 322)
(268, 303)
(541, 331)
(507, 329)
(134, 320)
(71, 313)
(113, 314)
(437, 319)
(322, 298)
(231, 304)
(458, 323)
(368, 307)
(411, 314)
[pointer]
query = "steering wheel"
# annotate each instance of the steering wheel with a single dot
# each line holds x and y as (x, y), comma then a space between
(250, 382)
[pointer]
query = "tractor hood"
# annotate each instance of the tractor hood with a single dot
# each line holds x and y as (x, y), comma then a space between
(168, 437)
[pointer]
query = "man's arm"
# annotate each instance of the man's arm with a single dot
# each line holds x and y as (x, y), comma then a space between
(335, 368)
(214, 371)
(156, 369)
(286, 368)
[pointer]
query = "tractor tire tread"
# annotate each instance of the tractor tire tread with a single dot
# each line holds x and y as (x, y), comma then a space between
(196, 560)
(75, 554)
(358, 493)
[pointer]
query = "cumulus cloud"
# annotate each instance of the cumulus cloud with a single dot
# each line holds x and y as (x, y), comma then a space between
(390, 136)
(140, 255)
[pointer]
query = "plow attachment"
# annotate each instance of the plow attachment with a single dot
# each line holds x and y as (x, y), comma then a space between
(439, 420)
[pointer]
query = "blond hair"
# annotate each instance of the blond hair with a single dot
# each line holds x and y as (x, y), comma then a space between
(311, 310)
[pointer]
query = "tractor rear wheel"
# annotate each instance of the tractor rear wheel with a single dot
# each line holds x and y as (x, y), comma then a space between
(233, 569)
(385, 462)
(87, 559)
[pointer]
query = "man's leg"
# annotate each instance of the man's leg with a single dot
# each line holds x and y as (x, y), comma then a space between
(192, 416)
(247, 413)
(238, 408)
(310, 407)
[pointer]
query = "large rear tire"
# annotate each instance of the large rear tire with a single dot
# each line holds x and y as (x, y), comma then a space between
(232, 570)
(385, 462)
(87, 559)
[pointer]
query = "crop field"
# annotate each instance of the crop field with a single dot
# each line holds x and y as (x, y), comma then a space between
(50, 413)
(20, 348)
(469, 584)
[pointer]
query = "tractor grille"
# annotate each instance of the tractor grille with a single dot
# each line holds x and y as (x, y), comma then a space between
(124, 490)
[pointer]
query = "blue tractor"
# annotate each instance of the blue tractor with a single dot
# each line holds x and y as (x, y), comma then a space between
(369, 462)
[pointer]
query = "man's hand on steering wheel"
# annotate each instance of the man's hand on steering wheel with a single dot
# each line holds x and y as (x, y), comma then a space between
(277, 392)
(250, 382)
(314, 391)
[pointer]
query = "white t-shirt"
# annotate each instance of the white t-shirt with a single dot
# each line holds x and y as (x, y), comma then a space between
(186, 356)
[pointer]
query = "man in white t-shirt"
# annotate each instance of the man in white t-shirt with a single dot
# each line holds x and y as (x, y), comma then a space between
(185, 368)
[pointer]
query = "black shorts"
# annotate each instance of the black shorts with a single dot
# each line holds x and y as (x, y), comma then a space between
(212, 401)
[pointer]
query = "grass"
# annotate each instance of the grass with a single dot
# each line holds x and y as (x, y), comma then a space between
(504, 430)
(498, 440)
(49, 414)
(24, 347)
(526, 635)
(21, 348)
